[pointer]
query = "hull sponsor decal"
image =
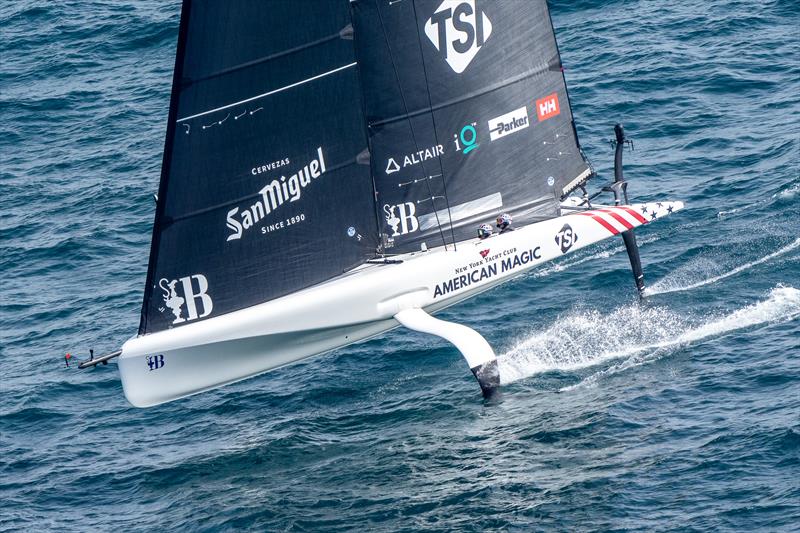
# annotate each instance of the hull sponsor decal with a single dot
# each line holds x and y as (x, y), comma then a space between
(565, 238)
(487, 268)
(154, 362)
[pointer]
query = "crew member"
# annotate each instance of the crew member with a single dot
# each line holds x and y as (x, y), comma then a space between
(484, 231)
(504, 223)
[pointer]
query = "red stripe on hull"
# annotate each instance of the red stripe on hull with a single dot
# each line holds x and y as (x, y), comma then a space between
(619, 218)
(632, 212)
(597, 218)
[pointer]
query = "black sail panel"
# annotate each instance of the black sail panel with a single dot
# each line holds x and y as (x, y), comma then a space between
(265, 186)
(468, 115)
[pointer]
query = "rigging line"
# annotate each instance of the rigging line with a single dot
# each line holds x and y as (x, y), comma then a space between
(269, 93)
(435, 133)
(380, 249)
(410, 125)
(564, 81)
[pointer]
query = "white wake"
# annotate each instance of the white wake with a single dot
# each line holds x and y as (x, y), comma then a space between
(559, 267)
(685, 278)
(633, 332)
(787, 194)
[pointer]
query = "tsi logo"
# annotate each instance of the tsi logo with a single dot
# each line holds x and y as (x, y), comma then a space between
(468, 138)
(458, 30)
(509, 123)
(191, 291)
(566, 238)
(401, 218)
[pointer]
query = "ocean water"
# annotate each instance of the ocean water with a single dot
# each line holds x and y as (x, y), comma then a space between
(681, 413)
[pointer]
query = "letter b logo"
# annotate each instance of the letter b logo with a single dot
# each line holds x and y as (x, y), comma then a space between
(194, 296)
(402, 218)
(154, 362)
(408, 220)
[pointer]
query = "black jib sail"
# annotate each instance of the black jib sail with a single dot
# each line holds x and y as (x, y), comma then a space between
(468, 115)
(265, 186)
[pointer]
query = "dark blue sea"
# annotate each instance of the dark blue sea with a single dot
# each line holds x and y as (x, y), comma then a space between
(681, 413)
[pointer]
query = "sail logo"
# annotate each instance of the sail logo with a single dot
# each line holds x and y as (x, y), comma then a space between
(458, 30)
(412, 159)
(184, 294)
(273, 195)
(392, 166)
(467, 138)
(509, 123)
(402, 218)
(547, 107)
(565, 238)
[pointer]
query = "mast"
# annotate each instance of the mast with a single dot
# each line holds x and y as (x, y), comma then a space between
(166, 158)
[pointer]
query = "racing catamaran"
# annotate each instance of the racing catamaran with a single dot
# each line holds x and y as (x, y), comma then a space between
(326, 166)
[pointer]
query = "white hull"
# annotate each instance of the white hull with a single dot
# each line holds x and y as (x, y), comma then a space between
(352, 307)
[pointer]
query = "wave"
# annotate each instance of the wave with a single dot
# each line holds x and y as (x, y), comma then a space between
(789, 193)
(559, 267)
(682, 279)
(786, 194)
(635, 332)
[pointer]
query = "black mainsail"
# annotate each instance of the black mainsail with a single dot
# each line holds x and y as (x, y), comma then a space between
(305, 137)
(468, 115)
(265, 185)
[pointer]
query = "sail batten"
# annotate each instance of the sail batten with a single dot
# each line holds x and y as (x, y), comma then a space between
(466, 97)
(271, 57)
(268, 93)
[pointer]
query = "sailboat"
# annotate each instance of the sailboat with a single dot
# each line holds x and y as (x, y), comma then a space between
(325, 169)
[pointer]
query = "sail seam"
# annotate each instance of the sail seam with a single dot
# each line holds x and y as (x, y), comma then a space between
(499, 85)
(249, 197)
(269, 93)
(265, 59)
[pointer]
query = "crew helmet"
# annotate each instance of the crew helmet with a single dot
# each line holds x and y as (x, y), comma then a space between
(503, 221)
(484, 230)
